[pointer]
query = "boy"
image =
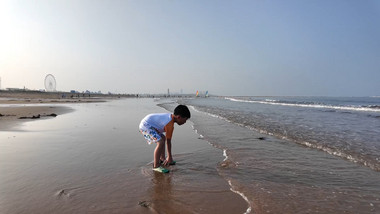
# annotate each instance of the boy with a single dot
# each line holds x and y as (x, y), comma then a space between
(153, 126)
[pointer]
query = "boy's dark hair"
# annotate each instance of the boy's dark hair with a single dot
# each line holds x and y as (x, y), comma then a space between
(182, 111)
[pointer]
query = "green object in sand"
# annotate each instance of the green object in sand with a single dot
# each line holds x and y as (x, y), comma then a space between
(161, 169)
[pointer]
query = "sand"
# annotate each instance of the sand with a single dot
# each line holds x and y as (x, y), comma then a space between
(92, 159)
(17, 107)
(11, 117)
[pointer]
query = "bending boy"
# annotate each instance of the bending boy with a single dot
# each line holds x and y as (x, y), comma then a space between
(154, 125)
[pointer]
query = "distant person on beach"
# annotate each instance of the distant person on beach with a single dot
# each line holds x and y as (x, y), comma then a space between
(154, 125)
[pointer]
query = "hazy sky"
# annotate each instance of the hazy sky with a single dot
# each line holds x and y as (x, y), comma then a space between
(255, 47)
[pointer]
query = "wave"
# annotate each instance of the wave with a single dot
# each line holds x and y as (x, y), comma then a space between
(352, 156)
(374, 106)
(371, 108)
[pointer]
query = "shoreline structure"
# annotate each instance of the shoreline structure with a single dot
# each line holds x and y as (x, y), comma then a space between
(61, 96)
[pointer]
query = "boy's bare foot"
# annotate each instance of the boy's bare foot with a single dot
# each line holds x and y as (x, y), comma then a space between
(171, 163)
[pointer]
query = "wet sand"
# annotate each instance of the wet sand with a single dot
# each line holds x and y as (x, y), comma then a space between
(12, 116)
(18, 107)
(94, 160)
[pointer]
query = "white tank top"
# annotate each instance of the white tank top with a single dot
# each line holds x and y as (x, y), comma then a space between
(158, 121)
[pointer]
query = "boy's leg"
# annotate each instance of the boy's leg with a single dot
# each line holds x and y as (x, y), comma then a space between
(160, 148)
(162, 156)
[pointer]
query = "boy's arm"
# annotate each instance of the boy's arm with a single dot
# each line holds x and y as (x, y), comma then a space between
(169, 128)
(169, 159)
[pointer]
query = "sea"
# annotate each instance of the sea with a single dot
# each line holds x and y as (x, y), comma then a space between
(295, 154)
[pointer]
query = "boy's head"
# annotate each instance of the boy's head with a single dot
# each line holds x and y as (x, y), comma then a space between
(181, 113)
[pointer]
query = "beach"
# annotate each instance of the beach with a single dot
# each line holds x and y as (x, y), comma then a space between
(17, 107)
(11, 116)
(234, 155)
(21, 104)
(90, 158)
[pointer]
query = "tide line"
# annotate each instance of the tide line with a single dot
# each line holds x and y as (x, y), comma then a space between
(249, 209)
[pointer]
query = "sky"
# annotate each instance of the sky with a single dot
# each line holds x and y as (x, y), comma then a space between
(246, 48)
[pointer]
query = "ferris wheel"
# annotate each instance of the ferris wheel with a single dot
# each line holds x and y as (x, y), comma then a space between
(50, 83)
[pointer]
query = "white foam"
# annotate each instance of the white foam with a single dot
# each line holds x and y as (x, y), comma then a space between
(345, 108)
(225, 154)
(249, 209)
(209, 114)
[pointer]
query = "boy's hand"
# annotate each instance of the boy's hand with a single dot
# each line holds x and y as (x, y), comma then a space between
(168, 161)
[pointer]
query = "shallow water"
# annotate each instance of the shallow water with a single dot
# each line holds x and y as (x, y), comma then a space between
(344, 127)
(276, 173)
